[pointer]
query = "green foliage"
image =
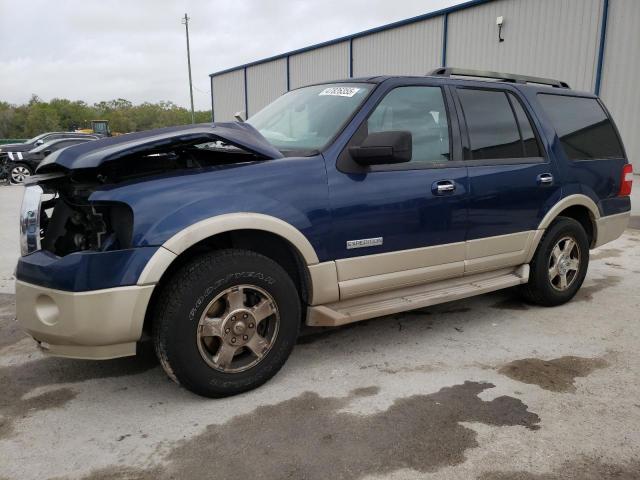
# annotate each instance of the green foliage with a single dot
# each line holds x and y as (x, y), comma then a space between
(60, 114)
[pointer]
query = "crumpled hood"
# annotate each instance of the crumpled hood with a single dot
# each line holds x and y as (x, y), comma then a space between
(98, 152)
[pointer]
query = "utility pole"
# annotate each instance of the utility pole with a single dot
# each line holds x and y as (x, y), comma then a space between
(185, 22)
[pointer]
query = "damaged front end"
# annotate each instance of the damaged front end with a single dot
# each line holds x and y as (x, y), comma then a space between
(58, 215)
(78, 288)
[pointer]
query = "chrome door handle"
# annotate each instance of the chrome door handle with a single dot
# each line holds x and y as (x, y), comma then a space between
(545, 179)
(443, 186)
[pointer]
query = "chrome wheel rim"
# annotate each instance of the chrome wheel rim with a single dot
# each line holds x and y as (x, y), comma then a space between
(564, 263)
(238, 328)
(19, 173)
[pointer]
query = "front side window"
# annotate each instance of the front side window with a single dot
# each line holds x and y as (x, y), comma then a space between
(583, 127)
(497, 126)
(420, 111)
(308, 118)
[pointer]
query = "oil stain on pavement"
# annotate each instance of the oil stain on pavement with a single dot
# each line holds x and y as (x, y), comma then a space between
(18, 380)
(585, 468)
(313, 437)
(557, 375)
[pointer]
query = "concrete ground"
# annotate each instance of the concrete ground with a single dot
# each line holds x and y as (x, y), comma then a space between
(488, 388)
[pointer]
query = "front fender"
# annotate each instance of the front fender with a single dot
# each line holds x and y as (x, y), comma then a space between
(289, 191)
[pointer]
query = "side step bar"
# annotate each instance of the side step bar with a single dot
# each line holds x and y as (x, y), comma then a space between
(410, 298)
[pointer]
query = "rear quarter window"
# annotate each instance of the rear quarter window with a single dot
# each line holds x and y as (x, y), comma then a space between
(584, 129)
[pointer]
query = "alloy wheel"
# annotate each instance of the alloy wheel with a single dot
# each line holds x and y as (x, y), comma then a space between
(19, 173)
(238, 328)
(564, 263)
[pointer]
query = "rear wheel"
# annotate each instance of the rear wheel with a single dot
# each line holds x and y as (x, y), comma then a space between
(226, 322)
(19, 172)
(559, 265)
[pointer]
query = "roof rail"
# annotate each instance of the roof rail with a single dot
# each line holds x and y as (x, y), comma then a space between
(503, 77)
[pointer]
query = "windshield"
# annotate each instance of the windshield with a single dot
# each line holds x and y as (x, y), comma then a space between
(308, 118)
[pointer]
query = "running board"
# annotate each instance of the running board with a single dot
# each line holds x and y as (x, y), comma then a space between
(410, 298)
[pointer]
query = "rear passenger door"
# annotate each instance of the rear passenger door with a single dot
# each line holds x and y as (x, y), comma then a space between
(511, 180)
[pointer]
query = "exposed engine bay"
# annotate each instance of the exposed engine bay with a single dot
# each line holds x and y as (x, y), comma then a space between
(70, 223)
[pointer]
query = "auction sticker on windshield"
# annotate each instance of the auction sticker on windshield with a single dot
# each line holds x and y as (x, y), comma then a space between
(340, 91)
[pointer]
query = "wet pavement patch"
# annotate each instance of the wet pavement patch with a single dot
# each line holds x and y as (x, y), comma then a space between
(511, 303)
(19, 380)
(585, 294)
(313, 437)
(585, 468)
(557, 375)
(606, 253)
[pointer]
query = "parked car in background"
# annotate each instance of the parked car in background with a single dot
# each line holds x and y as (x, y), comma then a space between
(336, 203)
(17, 166)
(40, 139)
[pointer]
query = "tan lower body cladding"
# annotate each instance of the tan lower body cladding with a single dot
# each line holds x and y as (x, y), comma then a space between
(409, 298)
(371, 274)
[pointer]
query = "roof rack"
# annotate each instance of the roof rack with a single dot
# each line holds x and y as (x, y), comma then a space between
(503, 77)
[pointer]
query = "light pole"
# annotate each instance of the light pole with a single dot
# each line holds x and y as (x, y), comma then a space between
(185, 22)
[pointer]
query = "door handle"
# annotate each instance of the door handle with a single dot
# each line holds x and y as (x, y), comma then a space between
(545, 179)
(443, 186)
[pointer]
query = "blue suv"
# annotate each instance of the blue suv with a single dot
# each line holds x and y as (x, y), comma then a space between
(336, 203)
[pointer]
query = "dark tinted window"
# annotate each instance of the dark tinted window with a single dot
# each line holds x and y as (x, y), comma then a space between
(421, 111)
(584, 129)
(493, 132)
(529, 141)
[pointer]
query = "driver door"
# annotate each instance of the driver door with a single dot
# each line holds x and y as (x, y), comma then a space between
(401, 224)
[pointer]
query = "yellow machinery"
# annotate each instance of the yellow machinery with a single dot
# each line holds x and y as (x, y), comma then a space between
(97, 126)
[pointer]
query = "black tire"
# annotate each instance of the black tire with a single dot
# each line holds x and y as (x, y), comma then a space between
(181, 305)
(17, 165)
(540, 288)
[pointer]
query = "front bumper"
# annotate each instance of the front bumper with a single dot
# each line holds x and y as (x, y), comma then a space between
(98, 324)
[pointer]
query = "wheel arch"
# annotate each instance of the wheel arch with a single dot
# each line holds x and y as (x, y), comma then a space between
(579, 207)
(260, 233)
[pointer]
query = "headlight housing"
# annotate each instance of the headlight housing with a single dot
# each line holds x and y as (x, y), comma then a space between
(30, 219)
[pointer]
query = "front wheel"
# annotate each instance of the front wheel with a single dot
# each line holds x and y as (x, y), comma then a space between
(19, 172)
(559, 265)
(226, 322)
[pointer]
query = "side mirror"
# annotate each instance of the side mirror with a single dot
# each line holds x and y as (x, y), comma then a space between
(46, 152)
(39, 142)
(381, 148)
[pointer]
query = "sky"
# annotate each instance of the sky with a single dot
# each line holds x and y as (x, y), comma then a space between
(100, 50)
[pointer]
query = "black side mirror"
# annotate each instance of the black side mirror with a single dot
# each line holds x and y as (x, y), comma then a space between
(380, 148)
(46, 152)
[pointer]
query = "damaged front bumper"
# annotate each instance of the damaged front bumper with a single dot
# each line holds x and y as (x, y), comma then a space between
(98, 324)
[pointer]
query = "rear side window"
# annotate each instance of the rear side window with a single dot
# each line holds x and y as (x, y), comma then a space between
(497, 125)
(583, 127)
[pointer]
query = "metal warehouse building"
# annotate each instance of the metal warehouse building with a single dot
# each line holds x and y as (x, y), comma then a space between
(593, 45)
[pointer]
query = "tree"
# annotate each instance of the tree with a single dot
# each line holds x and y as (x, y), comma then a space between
(36, 116)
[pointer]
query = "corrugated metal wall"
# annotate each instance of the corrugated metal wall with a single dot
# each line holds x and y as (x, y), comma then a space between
(549, 38)
(265, 83)
(621, 72)
(228, 95)
(413, 49)
(325, 63)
